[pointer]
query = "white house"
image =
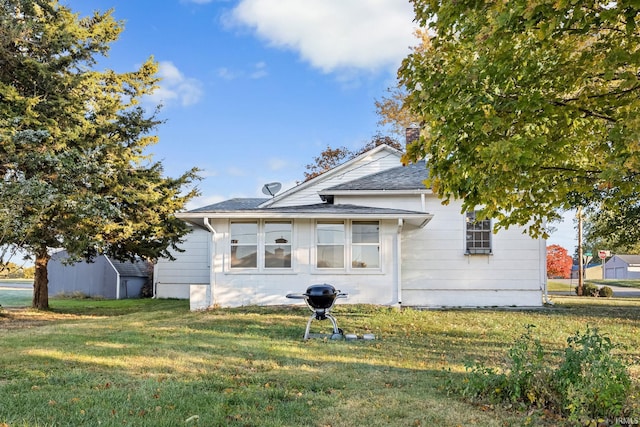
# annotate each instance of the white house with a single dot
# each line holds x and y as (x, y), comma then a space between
(370, 228)
(622, 267)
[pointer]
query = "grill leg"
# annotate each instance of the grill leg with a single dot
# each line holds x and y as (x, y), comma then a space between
(306, 332)
(336, 330)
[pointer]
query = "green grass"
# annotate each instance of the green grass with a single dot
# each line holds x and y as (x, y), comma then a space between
(617, 282)
(154, 363)
(557, 286)
(16, 298)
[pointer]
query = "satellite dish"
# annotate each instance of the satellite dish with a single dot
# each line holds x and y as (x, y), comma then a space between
(271, 188)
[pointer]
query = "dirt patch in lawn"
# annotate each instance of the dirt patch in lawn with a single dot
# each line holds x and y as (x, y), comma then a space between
(24, 318)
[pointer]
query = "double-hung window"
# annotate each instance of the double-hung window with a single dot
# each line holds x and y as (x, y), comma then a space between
(261, 244)
(244, 245)
(365, 244)
(478, 235)
(351, 243)
(330, 244)
(277, 244)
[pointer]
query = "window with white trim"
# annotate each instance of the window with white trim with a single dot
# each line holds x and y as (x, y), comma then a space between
(347, 243)
(260, 243)
(478, 235)
(277, 244)
(330, 244)
(365, 244)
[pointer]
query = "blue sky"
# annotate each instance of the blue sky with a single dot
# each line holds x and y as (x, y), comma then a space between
(253, 90)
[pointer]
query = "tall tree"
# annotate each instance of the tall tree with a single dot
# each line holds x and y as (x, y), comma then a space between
(531, 107)
(616, 229)
(74, 162)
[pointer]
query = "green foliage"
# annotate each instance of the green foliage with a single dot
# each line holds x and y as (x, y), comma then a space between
(75, 143)
(592, 290)
(524, 377)
(588, 290)
(590, 381)
(612, 228)
(605, 292)
(528, 107)
(11, 270)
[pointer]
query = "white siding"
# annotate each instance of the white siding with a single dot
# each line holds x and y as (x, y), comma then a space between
(237, 288)
(377, 162)
(191, 267)
(436, 271)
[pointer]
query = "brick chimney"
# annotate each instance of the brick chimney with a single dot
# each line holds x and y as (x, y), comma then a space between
(412, 134)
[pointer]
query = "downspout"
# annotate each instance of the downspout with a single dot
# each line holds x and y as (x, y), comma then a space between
(212, 276)
(399, 260)
(117, 276)
(543, 271)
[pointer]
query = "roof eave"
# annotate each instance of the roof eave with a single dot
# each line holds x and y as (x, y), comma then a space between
(417, 219)
(415, 191)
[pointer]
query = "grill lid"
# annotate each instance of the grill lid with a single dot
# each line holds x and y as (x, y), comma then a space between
(321, 296)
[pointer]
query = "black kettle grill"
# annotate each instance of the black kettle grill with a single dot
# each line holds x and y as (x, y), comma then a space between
(320, 299)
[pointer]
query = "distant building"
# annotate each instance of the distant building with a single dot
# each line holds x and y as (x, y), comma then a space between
(104, 277)
(622, 267)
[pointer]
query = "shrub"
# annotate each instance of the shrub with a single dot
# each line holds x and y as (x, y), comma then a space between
(524, 379)
(605, 292)
(589, 383)
(588, 290)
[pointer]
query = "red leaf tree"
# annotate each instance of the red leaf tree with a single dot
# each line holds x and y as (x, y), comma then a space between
(559, 262)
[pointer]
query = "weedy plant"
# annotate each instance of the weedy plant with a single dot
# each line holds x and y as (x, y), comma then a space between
(590, 382)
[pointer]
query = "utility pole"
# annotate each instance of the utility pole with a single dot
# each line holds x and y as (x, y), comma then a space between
(580, 260)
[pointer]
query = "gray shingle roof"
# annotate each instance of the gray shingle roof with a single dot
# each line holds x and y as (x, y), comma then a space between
(130, 269)
(408, 177)
(237, 204)
(251, 205)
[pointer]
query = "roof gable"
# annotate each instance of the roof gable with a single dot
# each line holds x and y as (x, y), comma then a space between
(382, 157)
(410, 177)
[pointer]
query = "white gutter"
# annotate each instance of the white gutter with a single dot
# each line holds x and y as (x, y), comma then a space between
(212, 276)
(399, 259)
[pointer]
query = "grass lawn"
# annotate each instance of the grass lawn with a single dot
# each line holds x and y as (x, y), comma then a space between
(630, 283)
(155, 363)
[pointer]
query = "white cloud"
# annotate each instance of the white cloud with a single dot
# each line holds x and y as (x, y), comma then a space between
(334, 34)
(276, 164)
(257, 71)
(174, 86)
(226, 74)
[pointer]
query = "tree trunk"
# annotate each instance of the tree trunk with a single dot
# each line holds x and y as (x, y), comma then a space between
(41, 281)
